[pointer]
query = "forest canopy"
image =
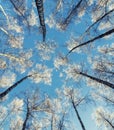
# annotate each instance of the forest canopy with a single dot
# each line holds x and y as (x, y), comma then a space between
(56, 65)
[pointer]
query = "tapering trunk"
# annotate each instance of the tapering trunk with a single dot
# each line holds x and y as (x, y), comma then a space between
(61, 123)
(40, 9)
(52, 122)
(98, 80)
(98, 20)
(94, 39)
(26, 118)
(13, 86)
(71, 14)
(78, 116)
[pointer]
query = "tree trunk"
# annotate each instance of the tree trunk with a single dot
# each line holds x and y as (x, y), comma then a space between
(52, 122)
(72, 13)
(99, 19)
(40, 9)
(98, 80)
(13, 86)
(78, 116)
(94, 39)
(26, 118)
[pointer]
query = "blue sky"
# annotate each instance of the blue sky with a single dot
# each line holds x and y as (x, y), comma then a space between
(62, 40)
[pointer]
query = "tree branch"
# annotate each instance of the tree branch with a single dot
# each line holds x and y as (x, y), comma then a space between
(107, 121)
